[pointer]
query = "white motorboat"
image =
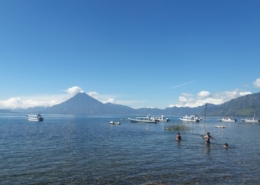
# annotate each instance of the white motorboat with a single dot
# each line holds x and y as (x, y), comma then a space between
(222, 126)
(160, 119)
(146, 119)
(227, 119)
(35, 117)
(250, 120)
(191, 118)
(114, 123)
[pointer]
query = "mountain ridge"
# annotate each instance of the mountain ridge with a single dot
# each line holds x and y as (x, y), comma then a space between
(81, 103)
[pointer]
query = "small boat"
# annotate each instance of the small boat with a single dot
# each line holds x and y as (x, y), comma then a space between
(227, 119)
(250, 120)
(114, 123)
(222, 126)
(35, 117)
(160, 119)
(191, 118)
(146, 119)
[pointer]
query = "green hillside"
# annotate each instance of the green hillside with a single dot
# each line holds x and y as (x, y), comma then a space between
(248, 105)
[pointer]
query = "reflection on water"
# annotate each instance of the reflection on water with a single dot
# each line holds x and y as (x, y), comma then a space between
(178, 144)
(88, 150)
(207, 148)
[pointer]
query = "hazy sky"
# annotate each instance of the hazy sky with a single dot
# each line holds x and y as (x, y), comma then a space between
(146, 53)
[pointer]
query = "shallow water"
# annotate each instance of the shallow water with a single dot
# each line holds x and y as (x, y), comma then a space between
(67, 149)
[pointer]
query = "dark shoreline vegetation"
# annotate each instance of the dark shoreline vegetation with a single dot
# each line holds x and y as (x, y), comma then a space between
(83, 104)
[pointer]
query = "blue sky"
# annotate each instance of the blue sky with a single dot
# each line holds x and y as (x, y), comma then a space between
(145, 53)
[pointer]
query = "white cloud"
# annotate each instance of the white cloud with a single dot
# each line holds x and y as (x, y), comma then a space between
(38, 100)
(26, 102)
(256, 83)
(101, 98)
(183, 99)
(204, 97)
(93, 94)
(74, 90)
(46, 100)
(11, 103)
(203, 94)
(244, 93)
(187, 95)
(110, 100)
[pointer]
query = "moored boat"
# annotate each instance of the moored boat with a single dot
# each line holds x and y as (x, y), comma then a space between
(191, 118)
(222, 126)
(227, 119)
(250, 120)
(35, 117)
(160, 119)
(142, 120)
(114, 123)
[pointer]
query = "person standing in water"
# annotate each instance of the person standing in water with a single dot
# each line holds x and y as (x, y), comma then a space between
(207, 137)
(178, 137)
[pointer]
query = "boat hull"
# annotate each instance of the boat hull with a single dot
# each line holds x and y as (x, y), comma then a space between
(192, 118)
(160, 119)
(34, 117)
(188, 120)
(250, 121)
(163, 120)
(228, 121)
(220, 126)
(31, 119)
(115, 123)
(141, 121)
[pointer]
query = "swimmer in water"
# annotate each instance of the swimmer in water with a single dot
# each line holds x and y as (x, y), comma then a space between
(225, 145)
(207, 137)
(178, 137)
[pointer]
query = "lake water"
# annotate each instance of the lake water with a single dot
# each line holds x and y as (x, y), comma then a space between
(67, 149)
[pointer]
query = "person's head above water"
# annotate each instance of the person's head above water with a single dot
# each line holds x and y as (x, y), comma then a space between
(225, 145)
(208, 133)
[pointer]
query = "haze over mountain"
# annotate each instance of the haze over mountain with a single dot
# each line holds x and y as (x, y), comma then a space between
(5, 111)
(82, 103)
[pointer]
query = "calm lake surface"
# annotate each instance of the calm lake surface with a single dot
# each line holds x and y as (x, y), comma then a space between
(67, 149)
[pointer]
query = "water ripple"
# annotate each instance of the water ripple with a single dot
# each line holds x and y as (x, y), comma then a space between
(88, 150)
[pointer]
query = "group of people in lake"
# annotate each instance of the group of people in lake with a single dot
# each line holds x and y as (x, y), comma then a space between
(206, 137)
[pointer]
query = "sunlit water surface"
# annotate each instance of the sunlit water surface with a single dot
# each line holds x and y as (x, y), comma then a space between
(67, 149)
